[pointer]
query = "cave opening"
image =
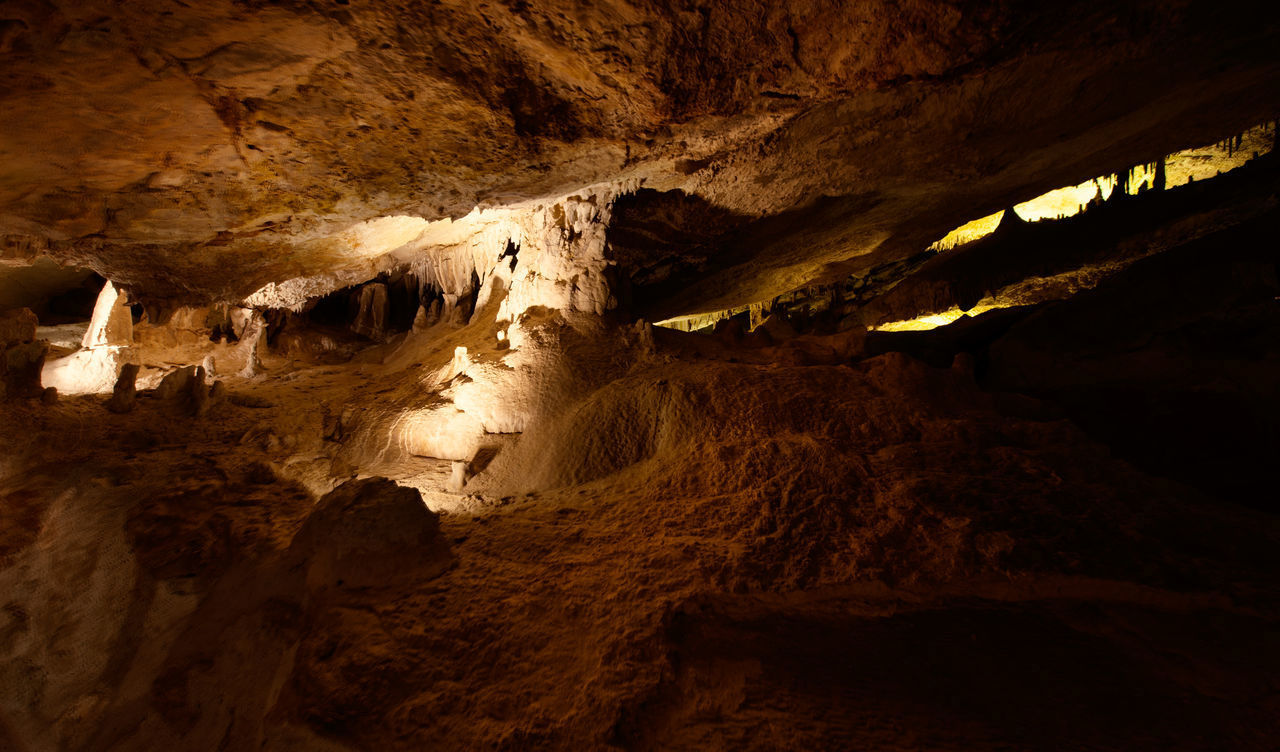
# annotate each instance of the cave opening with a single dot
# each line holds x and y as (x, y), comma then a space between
(381, 307)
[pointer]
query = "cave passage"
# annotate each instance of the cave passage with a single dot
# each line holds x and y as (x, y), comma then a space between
(639, 376)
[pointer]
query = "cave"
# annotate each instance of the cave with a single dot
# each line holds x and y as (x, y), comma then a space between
(639, 375)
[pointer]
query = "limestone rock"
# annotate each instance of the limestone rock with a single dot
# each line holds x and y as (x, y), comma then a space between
(367, 533)
(17, 327)
(177, 383)
(252, 344)
(112, 322)
(449, 310)
(371, 320)
(21, 370)
(89, 371)
(778, 327)
(729, 330)
(125, 395)
(460, 472)
(217, 393)
(433, 313)
(187, 389)
(198, 393)
(240, 320)
(420, 321)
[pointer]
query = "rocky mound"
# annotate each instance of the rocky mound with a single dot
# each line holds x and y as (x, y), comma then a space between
(370, 532)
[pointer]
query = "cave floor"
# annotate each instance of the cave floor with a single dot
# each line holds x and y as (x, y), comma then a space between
(147, 599)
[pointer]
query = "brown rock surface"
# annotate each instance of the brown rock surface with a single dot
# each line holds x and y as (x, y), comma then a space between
(124, 396)
(21, 368)
(370, 533)
(454, 491)
(709, 536)
(17, 327)
(201, 151)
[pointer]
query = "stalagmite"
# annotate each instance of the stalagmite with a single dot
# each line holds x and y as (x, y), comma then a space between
(450, 311)
(112, 322)
(198, 392)
(371, 319)
(124, 395)
(252, 344)
(458, 476)
(420, 319)
(93, 369)
(217, 393)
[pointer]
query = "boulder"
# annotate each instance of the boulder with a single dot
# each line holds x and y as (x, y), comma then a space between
(778, 327)
(730, 330)
(17, 327)
(88, 371)
(368, 533)
(177, 383)
(20, 368)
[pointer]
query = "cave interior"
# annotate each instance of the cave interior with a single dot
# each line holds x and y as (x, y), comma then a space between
(639, 375)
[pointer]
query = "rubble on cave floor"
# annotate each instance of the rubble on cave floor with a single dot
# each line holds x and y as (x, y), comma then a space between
(740, 515)
(625, 376)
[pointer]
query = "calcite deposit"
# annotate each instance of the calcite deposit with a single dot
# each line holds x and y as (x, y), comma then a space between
(639, 375)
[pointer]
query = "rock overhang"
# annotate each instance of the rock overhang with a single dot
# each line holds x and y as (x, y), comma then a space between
(197, 154)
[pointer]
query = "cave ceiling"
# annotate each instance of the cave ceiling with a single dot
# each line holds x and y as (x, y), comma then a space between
(196, 151)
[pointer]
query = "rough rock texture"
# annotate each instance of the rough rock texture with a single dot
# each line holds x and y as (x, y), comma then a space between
(112, 322)
(124, 396)
(177, 385)
(21, 370)
(370, 533)
(203, 151)
(95, 367)
(17, 327)
(1023, 263)
(1170, 361)
(454, 491)
(21, 359)
(725, 529)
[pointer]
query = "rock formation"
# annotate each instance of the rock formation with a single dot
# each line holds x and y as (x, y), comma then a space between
(95, 366)
(370, 533)
(23, 358)
(639, 375)
(124, 396)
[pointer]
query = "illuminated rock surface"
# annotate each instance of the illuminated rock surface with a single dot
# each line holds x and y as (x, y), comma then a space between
(370, 440)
